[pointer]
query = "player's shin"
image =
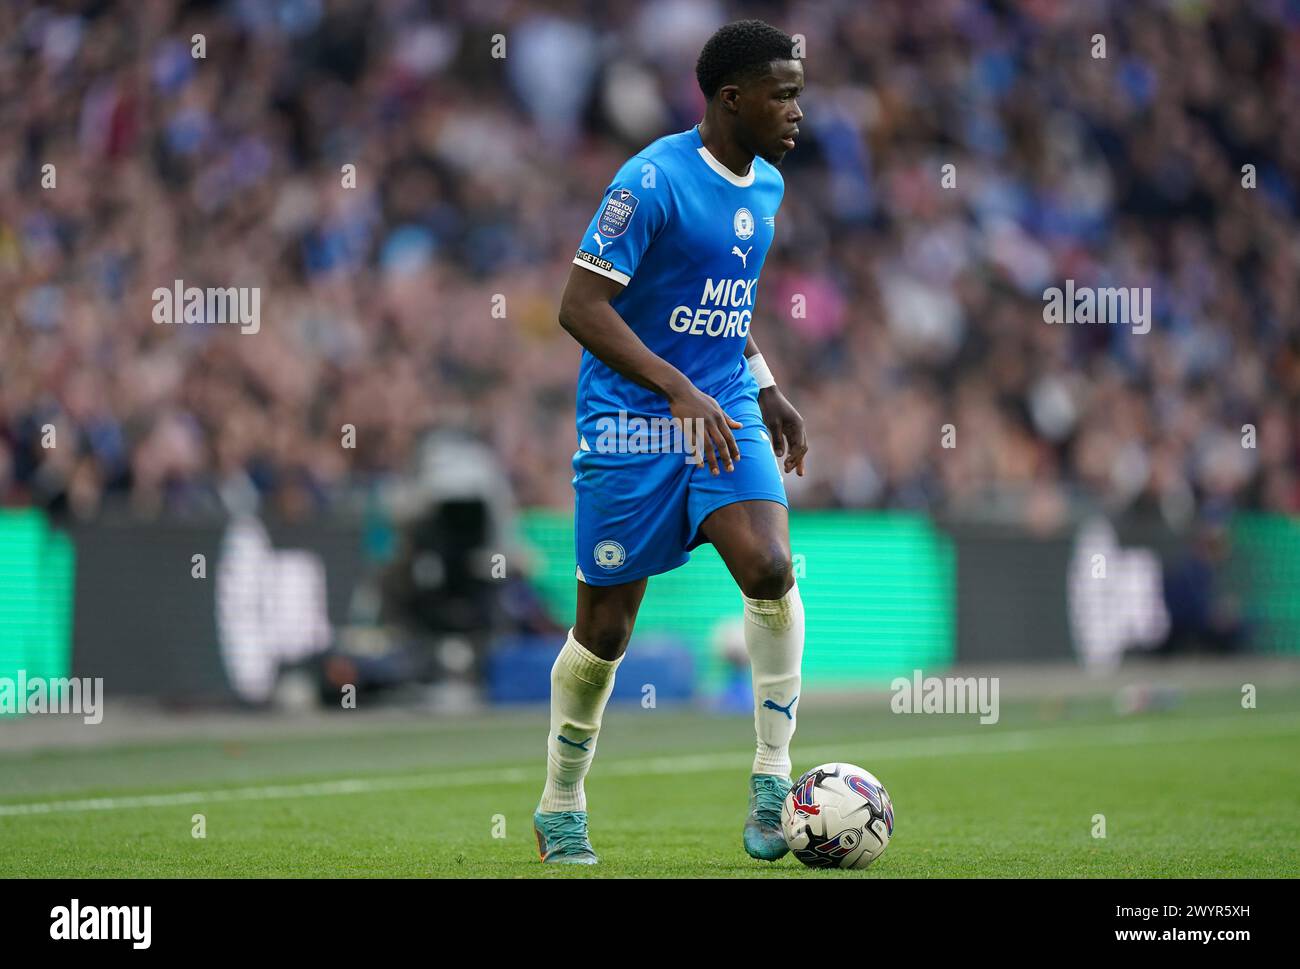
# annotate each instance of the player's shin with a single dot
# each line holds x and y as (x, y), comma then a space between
(774, 637)
(581, 683)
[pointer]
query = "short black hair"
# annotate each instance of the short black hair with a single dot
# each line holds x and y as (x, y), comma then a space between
(740, 51)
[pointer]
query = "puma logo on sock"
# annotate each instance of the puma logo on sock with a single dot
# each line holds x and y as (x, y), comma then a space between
(773, 705)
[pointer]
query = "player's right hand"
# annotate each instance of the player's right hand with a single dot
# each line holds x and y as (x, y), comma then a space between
(706, 428)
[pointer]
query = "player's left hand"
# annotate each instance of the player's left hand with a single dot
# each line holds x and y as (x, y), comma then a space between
(786, 428)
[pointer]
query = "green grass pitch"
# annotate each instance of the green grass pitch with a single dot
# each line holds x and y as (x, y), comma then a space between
(1204, 790)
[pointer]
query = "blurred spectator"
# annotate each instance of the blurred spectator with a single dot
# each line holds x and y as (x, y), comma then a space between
(1203, 615)
(919, 305)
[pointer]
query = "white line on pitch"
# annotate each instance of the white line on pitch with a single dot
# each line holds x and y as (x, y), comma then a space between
(981, 742)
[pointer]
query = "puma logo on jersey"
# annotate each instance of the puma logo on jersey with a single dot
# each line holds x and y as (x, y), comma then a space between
(600, 242)
(735, 251)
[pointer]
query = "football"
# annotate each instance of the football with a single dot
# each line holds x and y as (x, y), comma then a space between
(837, 816)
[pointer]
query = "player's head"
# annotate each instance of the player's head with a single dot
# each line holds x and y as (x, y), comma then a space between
(748, 71)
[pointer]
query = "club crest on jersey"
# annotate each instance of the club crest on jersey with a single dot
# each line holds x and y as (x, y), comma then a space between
(617, 213)
(743, 223)
(609, 554)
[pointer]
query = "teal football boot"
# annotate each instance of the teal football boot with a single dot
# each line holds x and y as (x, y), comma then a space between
(764, 839)
(562, 838)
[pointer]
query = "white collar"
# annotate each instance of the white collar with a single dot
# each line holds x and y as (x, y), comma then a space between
(740, 181)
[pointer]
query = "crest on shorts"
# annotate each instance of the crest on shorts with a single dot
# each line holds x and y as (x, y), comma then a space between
(617, 213)
(609, 554)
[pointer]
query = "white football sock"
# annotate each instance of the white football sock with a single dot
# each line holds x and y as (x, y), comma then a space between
(774, 638)
(581, 683)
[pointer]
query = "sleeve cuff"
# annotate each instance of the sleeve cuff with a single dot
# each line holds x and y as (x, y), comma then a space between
(600, 266)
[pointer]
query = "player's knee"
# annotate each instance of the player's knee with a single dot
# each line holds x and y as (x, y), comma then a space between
(769, 574)
(607, 640)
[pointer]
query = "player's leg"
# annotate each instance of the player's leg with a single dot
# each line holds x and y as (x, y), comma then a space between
(606, 615)
(753, 539)
(582, 679)
(630, 519)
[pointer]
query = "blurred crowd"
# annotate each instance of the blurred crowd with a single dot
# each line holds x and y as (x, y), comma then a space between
(405, 182)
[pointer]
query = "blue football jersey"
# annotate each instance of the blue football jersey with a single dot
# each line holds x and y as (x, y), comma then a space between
(687, 237)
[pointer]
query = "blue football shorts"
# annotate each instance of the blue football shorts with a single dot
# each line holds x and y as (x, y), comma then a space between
(639, 514)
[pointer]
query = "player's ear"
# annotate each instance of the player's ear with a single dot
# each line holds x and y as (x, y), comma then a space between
(729, 95)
